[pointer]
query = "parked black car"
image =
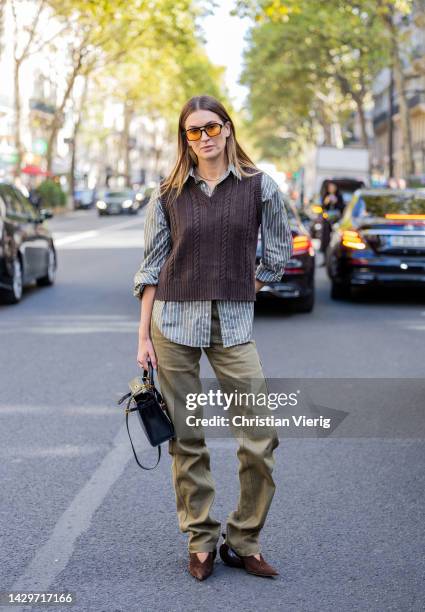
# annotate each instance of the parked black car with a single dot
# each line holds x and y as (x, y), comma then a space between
(27, 251)
(380, 240)
(84, 198)
(117, 201)
(297, 283)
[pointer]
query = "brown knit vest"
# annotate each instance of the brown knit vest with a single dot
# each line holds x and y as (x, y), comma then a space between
(214, 241)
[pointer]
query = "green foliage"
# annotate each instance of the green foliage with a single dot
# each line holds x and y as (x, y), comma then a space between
(145, 53)
(310, 64)
(51, 194)
(157, 77)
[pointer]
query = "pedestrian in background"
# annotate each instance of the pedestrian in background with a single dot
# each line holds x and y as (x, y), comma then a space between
(197, 285)
(332, 200)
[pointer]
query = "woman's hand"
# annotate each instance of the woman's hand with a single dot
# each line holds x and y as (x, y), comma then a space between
(258, 285)
(144, 352)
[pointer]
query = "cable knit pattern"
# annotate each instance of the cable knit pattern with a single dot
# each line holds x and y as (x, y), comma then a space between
(196, 237)
(254, 215)
(225, 234)
(214, 241)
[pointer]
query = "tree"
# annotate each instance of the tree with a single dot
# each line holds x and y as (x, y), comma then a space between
(345, 45)
(27, 18)
(78, 118)
(113, 33)
(316, 60)
(157, 82)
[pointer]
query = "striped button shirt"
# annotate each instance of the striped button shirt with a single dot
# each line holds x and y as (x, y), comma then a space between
(189, 322)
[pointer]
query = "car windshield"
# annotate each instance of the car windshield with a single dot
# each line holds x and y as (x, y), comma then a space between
(380, 205)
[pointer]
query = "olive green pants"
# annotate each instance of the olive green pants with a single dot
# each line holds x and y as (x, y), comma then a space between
(178, 374)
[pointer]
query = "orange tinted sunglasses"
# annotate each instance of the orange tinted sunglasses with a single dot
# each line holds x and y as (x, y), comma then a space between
(211, 129)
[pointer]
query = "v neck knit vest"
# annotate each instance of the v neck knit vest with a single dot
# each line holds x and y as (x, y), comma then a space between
(214, 241)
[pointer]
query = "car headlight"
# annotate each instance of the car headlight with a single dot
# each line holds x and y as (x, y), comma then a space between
(139, 196)
(127, 203)
(101, 204)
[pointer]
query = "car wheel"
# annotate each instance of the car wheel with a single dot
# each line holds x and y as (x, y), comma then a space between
(339, 291)
(305, 304)
(14, 294)
(49, 278)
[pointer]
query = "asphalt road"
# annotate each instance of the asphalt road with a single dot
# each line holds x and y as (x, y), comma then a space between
(346, 526)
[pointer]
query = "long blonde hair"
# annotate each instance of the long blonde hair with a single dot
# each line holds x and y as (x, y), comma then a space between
(186, 157)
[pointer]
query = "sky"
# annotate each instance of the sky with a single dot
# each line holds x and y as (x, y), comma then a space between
(225, 44)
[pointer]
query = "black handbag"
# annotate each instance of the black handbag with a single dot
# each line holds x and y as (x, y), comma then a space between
(152, 411)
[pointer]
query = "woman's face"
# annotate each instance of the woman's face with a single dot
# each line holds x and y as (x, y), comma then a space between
(331, 188)
(207, 147)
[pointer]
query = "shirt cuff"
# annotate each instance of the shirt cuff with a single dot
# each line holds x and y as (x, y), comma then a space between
(265, 275)
(140, 282)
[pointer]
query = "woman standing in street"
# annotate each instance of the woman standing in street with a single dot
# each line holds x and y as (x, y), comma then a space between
(197, 285)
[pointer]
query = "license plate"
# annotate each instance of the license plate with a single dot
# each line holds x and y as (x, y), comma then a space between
(408, 241)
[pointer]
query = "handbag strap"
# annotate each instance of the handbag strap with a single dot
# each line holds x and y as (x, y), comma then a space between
(149, 373)
(127, 412)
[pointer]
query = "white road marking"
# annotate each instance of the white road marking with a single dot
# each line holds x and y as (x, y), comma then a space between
(52, 558)
(16, 453)
(130, 239)
(116, 328)
(93, 233)
(75, 237)
(79, 324)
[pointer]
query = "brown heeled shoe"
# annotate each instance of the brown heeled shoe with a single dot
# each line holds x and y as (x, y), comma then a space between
(249, 563)
(201, 569)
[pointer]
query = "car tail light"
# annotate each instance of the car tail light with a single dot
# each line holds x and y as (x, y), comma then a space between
(352, 240)
(404, 217)
(301, 244)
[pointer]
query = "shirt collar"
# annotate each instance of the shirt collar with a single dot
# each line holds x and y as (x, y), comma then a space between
(230, 168)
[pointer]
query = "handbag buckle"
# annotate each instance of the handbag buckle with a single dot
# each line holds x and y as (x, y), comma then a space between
(146, 387)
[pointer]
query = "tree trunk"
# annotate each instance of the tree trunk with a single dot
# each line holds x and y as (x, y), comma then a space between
(128, 113)
(362, 117)
(405, 124)
(391, 127)
(52, 140)
(17, 103)
(399, 81)
(18, 59)
(71, 178)
(59, 112)
(323, 121)
(76, 129)
(363, 127)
